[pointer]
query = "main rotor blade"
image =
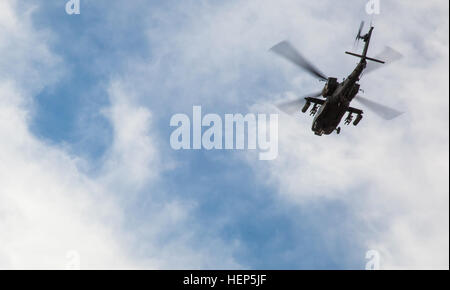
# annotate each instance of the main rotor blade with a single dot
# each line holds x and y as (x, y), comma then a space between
(388, 55)
(379, 109)
(287, 51)
(294, 106)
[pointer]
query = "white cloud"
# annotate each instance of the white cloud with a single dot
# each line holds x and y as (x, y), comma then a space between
(49, 208)
(132, 154)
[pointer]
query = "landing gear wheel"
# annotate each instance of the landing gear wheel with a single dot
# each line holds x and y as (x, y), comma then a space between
(338, 130)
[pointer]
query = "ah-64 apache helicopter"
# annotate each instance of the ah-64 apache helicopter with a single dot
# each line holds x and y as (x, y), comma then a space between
(337, 96)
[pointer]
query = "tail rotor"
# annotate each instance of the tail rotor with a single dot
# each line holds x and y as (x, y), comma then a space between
(359, 36)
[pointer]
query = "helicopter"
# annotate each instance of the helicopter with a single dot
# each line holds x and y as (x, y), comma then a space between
(329, 110)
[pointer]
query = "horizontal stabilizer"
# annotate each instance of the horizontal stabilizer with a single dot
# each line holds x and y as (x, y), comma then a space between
(365, 57)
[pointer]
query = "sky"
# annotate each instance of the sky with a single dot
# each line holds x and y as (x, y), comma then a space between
(88, 178)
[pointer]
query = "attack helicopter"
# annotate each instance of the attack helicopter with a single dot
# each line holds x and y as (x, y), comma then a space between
(336, 97)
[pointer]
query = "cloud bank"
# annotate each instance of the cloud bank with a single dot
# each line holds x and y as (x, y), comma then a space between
(381, 186)
(53, 215)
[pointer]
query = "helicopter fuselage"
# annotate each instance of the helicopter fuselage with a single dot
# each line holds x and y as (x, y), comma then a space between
(329, 110)
(330, 114)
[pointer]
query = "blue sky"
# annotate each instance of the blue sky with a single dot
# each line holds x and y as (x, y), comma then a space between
(118, 72)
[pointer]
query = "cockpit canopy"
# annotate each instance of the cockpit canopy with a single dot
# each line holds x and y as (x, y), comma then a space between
(330, 87)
